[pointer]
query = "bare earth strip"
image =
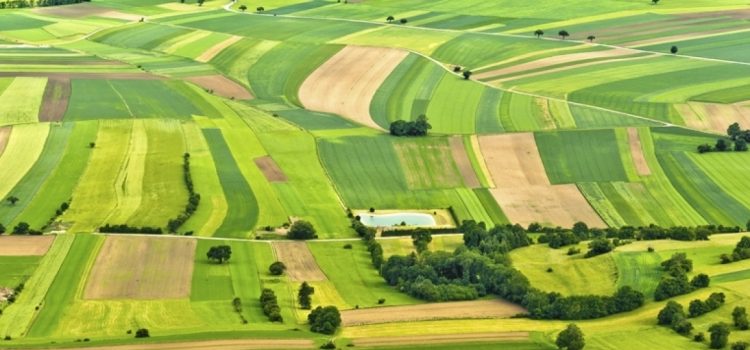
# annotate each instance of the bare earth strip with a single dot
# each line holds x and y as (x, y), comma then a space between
(299, 261)
(713, 116)
(216, 49)
(221, 86)
(551, 61)
(25, 245)
(56, 75)
(346, 83)
(523, 189)
(434, 311)
(239, 344)
(636, 151)
(4, 136)
(680, 37)
(573, 66)
(142, 268)
(270, 169)
(55, 101)
(84, 10)
(442, 339)
(463, 163)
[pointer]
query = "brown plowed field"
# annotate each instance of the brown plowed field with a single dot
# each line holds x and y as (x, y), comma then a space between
(270, 169)
(222, 86)
(300, 263)
(434, 311)
(55, 101)
(25, 245)
(636, 151)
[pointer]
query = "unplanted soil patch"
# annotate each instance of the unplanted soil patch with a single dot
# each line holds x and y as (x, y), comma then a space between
(25, 245)
(209, 54)
(346, 83)
(299, 261)
(84, 10)
(142, 268)
(636, 151)
(221, 86)
(4, 136)
(236, 344)
(475, 309)
(461, 158)
(55, 101)
(442, 339)
(270, 169)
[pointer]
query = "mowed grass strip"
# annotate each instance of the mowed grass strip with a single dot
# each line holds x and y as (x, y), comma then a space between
(243, 211)
(125, 269)
(21, 101)
(24, 147)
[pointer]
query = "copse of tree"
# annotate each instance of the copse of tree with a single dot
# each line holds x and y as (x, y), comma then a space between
(671, 313)
(325, 320)
(741, 251)
(421, 239)
(417, 127)
(277, 268)
(270, 305)
(675, 282)
(599, 246)
(699, 307)
(571, 338)
(719, 335)
(740, 345)
(591, 38)
(467, 74)
(301, 229)
(142, 333)
(739, 317)
(368, 236)
(9, 4)
(260, 9)
(107, 228)
(219, 253)
(559, 237)
(403, 21)
(304, 296)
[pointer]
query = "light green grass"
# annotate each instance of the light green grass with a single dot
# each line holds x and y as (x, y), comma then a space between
(17, 269)
(24, 147)
(21, 101)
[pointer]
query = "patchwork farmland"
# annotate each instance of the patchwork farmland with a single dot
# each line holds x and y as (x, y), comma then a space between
(374, 174)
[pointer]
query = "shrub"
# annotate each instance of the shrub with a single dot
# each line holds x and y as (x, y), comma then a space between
(277, 268)
(142, 333)
(325, 320)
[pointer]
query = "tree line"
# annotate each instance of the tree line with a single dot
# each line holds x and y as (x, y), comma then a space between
(270, 305)
(740, 252)
(17, 4)
(194, 199)
(738, 139)
(675, 282)
(417, 127)
(673, 315)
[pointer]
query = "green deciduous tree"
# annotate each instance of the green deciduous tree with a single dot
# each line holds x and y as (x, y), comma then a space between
(739, 316)
(571, 338)
(304, 296)
(301, 229)
(12, 200)
(277, 268)
(421, 239)
(538, 33)
(219, 253)
(719, 335)
(563, 34)
(671, 312)
(324, 320)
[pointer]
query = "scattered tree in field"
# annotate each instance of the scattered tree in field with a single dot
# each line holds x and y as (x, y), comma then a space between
(719, 335)
(390, 19)
(599, 246)
(243, 8)
(277, 268)
(22, 228)
(260, 9)
(324, 320)
(571, 338)
(92, 144)
(670, 313)
(219, 253)
(301, 229)
(12, 200)
(305, 291)
(654, 2)
(403, 21)
(674, 50)
(739, 316)
(740, 345)
(417, 127)
(467, 74)
(682, 326)
(142, 333)
(591, 38)
(700, 337)
(700, 280)
(539, 33)
(563, 34)
(421, 239)
(457, 69)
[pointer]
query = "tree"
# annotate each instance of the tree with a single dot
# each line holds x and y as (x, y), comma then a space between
(421, 239)
(739, 315)
(390, 19)
(700, 280)
(260, 9)
(563, 34)
(734, 131)
(670, 313)
(219, 253)
(721, 145)
(674, 50)
(2, 229)
(12, 200)
(243, 8)
(740, 345)
(599, 246)
(142, 333)
(654, 2)
(697, 307)
(591, 38)
(277, 268)
(682, 326)
(719, 335)
(301, 229)
(705, 148)
(467, 74)
(305, 291)
(420, 126)
(539, 33)
(403, 21)
(740, 145)
(571, 338)
(200, 2)
(22, 228)
(324, 320)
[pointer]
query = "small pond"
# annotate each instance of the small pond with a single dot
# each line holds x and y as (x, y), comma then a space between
(395, 219)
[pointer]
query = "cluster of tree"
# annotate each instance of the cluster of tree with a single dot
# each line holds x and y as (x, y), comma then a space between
(571, 338)
(599, 246)
(562, 34)
(325, 320)
(107, 228)
(270, 305)
(675, 282)
(22, 228)
(368, 236)
(417, 127)
(476, 270)
(739, 316)
(193, 198)
(277, 268)
(699, 307)
(301, 229)
(142, 333)
(741, 251)
(219, 253)
(722, 145)
(402, 232)
(304, 296)
(390, 19)
(421, 239)
(16, 4)
(58, 212)
(237, 306)
(673, 315)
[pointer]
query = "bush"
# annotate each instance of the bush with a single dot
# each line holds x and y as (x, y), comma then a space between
(740, 345)
(325, 320)
(347, 246)
(142, 333)
(277, 268)
(671, 313)
(328, 345)
(700, 337)
(418, 127)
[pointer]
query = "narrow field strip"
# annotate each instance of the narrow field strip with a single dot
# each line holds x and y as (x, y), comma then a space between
(433, 311)
(442, 339)
(217, 49)
(4, 136)
(25, 245)
(636, 151)
(21, 101)
(221, 86)
(24, 147)
(237, 344)
(299, 260)
(55, 101)
(129, 182)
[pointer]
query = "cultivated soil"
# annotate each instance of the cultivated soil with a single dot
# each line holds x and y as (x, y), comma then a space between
(523, 189)
(85, 10)
(238, 344)
(142, 268)
(713, 116)
(636, 151)
(222, 86)
(346, 83)
(56, 75)
(25, 245)
(300, 263)
(4, 136)
(433, 311)
(55, 101)
(573, 66)
(442, 339)
(270, 169)
(461, 158)
(209, 54)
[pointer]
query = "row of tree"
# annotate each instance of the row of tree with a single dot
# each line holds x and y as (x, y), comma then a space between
(16, 4)
(722, 145)
(673, 315)
(417, 127)
(373, 246)
(194, 198)
(675, 282)
(270, 305)
(740, 252)
(123, 228)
